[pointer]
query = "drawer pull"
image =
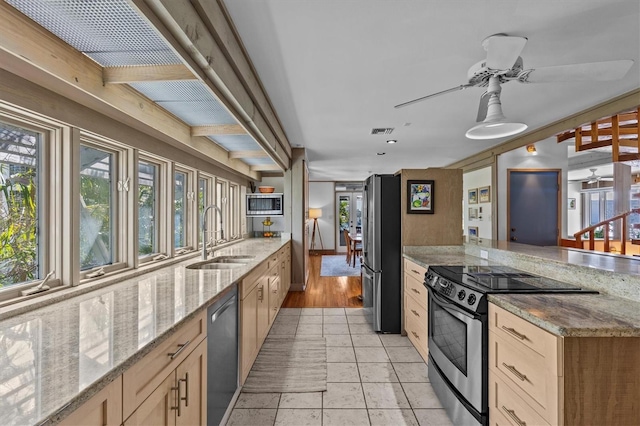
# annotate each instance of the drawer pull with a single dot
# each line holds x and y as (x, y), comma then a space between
(261, 293)
(415, 313)
(512, 414)
(275, 291)
(515, 372)
(176, 353)
(415, 335)
(415, 291)
(513, 332)
(178, 400)
(415, 272)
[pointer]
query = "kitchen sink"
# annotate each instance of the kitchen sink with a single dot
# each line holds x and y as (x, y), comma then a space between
(239, 258)
(215, 265)
(222, 262)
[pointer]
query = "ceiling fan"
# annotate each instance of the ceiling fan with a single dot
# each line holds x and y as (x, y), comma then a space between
(502, 65)
(594, 178)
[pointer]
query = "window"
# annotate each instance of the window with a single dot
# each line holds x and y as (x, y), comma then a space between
(97, 195)
(204, 199)
(148, 208)
(234, 212)
(220, 226)
(20, 174)
(180, 210)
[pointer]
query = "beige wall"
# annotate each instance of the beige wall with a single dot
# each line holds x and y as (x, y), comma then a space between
(444, 227)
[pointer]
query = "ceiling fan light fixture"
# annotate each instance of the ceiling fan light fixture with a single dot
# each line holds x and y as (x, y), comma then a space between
(496, 124)
(531, 149)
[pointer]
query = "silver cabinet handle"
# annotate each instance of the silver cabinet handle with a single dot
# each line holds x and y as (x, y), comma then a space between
(515, 372)
(513, 332)
(178, 399)
(186, 389)
(512, 414)
(261, 293)
(415, 313)
(176, 353)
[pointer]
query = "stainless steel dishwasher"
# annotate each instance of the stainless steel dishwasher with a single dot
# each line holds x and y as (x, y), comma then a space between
(222, 355)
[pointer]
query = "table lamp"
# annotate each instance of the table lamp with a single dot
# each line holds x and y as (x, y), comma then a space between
(315, 214)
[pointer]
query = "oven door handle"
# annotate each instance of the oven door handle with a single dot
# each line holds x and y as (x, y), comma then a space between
(448, 305)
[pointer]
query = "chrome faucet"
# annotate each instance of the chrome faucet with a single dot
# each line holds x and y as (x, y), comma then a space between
(204, 228)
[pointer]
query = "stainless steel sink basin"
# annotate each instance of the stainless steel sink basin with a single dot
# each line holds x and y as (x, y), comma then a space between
(223, 262)
(238, 258)
(215, 265)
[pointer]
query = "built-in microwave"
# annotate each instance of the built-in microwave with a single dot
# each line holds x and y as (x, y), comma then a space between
(264, 205)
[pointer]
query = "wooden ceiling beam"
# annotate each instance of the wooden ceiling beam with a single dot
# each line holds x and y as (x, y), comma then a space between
(266, 167)
(248, 154)
(141, 73)
(218, 129)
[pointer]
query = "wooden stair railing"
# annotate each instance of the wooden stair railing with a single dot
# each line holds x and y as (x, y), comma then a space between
(606, 223)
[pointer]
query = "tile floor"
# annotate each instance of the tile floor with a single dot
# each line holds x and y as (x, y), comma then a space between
(372, 379)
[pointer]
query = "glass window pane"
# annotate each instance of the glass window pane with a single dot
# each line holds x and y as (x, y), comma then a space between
(147, 208)
(96, 207)
(232, 209)
(19, 179)
(179, 209)
(216, 218)
(594, 210)
(203, 200)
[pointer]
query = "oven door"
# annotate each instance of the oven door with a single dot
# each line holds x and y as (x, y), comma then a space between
(455, 345)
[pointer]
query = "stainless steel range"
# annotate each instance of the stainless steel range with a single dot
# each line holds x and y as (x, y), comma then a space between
(458, 331)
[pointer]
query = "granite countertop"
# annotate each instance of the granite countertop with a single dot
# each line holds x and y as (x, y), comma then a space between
(55, 357)
(567, 315)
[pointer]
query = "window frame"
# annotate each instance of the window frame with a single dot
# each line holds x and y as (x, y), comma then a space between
(190, 210)
(163, 226)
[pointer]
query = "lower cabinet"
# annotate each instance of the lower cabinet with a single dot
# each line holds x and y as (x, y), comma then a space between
(181, 399)
(415, 307)
(538, 378)
(102, 409)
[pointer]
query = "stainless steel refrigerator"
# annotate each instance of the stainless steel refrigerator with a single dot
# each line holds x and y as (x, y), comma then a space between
(382, 252)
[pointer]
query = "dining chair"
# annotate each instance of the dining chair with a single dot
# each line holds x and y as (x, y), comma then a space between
(356, 250)
(347, 241)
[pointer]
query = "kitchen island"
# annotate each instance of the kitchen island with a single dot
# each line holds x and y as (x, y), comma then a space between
(556, 358)
(58, 356)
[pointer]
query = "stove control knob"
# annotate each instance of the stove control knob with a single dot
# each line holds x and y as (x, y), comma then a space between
(472, 299)
(461, 295)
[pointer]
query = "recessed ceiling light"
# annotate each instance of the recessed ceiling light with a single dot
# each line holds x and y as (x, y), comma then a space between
(392, 141)
(407, 124)
(381, 153)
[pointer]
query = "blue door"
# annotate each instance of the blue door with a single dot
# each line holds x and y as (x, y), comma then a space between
(533, 207)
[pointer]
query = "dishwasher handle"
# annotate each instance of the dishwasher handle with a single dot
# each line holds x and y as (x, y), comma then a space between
(222, 308)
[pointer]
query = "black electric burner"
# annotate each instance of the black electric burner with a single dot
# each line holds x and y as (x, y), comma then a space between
(467, 286)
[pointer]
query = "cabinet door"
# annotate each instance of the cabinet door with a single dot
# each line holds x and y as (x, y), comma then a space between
(104, 408)
(192, 380)
(263, 310)
(248, 331)
(274, 299)
(159, 408)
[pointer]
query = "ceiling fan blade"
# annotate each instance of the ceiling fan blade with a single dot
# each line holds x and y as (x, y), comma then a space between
(433, 95)
(502, 50)
(483, 107)
(592, 71)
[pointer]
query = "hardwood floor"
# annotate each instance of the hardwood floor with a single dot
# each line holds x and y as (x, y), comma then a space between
(325, 292)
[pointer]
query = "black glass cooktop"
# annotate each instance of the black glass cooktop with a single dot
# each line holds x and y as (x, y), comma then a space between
(503, 279)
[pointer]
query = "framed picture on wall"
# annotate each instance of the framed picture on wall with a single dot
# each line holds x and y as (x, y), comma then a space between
(472, 233)
(473, 213)
(472, 197)
(571, 204)
(420, 196)
(484, 194)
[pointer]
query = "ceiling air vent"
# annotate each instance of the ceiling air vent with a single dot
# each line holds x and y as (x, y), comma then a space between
(382, 131)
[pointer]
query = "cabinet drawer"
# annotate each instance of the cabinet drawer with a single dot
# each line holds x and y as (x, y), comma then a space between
(274, 273)
(415, 310)
(139, 381)
(526, 371)
(507, 407)
(272, 261)
(414, 270)
(416, 289)
(523, 334)
(417, 334)
(251, 280)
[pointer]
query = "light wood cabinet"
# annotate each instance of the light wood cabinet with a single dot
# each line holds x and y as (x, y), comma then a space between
(181, 398)
(261, 295)
(145, 376)
(104, 408)
(536, 377)
(415, 307)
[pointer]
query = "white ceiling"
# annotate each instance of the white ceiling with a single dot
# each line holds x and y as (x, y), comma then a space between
(334, 69)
